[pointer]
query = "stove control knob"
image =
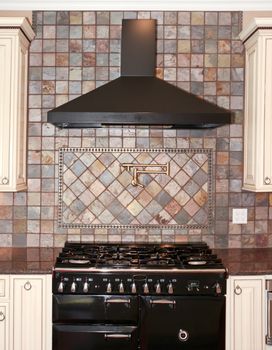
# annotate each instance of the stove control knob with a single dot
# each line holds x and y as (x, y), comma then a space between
(73, 287)
(218, 289)
(133, 288)
(121, 288)
(85, 287)
(158, 288)
(61, 287)
(109, 288)
(170, 288)
(146, 288)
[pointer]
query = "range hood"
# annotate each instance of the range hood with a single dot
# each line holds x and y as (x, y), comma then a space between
(137, 97)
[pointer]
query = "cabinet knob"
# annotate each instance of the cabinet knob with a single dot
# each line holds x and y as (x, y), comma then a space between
(27, 285)
(5, 181)
(2, 316)
(238, 290)
(267, 180)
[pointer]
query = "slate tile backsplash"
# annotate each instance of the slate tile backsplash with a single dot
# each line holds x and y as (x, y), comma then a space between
(74, 52)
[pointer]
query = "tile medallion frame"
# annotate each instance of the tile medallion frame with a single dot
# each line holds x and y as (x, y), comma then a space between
(198, 159)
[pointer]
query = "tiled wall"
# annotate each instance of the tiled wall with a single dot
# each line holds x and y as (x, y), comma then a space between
(78, 51)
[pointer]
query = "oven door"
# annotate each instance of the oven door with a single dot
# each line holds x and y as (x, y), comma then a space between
(95, 309)
(94, 337)
(189, 322)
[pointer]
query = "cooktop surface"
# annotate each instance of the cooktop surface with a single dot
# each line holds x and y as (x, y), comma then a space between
(158, 256)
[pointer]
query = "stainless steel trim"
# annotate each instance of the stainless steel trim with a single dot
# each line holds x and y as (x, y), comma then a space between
(163, 301)
(175, 270)
(2, 316)
(117, 301)
(117, 336)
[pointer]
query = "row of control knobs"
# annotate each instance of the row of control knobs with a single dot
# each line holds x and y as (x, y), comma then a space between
(121, 288)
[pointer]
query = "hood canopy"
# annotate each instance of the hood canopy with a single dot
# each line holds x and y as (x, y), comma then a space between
(137, 97)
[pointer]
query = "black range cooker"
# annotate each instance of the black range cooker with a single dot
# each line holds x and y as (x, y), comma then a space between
(147, 297)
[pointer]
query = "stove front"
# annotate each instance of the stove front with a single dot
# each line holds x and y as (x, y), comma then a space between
(145, 297)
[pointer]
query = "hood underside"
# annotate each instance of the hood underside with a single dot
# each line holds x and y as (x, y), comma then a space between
(137, 97)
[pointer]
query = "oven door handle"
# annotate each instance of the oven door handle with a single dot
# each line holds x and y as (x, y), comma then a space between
(163, 301)
(117, 336)
(117, 301)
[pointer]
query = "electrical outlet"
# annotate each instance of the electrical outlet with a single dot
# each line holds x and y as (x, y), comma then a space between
(239, 216)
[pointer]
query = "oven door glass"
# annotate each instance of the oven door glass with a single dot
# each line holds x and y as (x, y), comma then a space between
(95, 309)
(94, 337)
(192, 323)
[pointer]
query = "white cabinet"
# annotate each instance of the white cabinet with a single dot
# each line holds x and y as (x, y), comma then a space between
(257, 38)
(15, 36)
(245, 313)
(4, 312)
(4, 330)
(26, 313)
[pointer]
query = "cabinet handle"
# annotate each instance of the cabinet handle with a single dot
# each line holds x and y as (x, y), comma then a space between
(267, 180)
(2, 316)
(27, 285)
(5, 181)
(238, 290)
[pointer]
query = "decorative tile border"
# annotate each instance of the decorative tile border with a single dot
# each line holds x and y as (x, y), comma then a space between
(95, 191)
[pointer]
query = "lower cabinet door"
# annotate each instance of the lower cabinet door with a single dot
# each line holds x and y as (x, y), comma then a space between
(94, 337)
(245, 316)
(4, 344)
(29, 319)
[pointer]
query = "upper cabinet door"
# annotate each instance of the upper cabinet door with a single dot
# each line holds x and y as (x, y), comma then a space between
(257, 38)
(15, 37)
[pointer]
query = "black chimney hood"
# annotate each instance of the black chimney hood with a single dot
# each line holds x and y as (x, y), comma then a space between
(137, 97)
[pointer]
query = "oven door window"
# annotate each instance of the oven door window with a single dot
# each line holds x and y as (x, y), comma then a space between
(94, 337)
(193, 323)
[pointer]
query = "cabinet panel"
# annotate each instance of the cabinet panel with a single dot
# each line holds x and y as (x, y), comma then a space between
(27, 314)
(31, 313)
(4, 317)
(257, 38)
(15, 37)
(245, 314)
(4, 287)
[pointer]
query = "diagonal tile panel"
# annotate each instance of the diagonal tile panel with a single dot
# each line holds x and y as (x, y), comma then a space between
(96, 191)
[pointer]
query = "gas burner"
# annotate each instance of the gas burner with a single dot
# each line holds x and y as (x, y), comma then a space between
(197, 262)
(79, 261)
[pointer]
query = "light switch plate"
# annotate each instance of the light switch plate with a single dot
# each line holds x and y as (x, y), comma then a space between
(239, 216)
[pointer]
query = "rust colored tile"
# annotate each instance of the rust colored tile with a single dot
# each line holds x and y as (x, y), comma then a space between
(5, 254)
(173, 208)
(5, 212)
(62, 59)
(19, 226)
(48, 87)
(89, 59)
(237, 60)
(89, 32)
(210, 74)
(222, 158)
